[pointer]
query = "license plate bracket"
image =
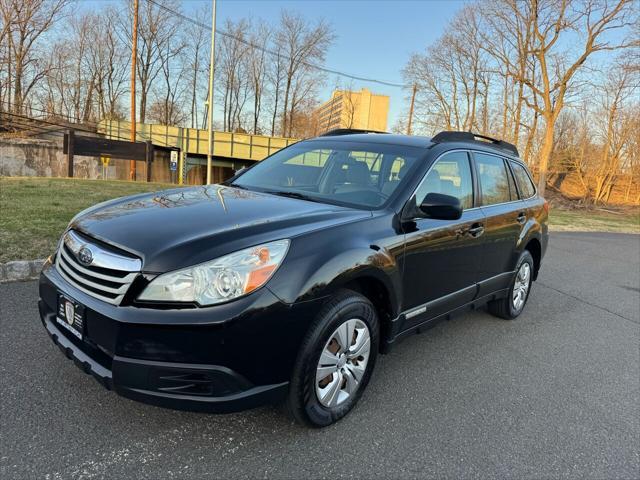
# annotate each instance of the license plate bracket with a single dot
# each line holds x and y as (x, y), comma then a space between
(71, 315)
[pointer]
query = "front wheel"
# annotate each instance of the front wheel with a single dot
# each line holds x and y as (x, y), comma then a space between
(336, 360)
(513, 305)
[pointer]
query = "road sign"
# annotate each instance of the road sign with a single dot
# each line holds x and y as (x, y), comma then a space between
(105, 160)
(173, 163)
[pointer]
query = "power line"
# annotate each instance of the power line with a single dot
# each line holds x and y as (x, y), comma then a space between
(272, 52)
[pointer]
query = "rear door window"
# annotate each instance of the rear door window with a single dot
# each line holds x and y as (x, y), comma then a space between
(494, 181)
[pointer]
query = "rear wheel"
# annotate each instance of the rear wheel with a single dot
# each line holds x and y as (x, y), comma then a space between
(513, 305)
(335, 362)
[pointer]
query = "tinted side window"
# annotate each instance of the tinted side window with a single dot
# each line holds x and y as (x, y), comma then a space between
(494, 181)
(450, 175)
(524, 180)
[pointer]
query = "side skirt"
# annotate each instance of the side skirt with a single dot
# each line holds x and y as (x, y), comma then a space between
(432, 322)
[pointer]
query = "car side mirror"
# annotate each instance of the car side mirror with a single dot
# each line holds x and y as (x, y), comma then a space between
(441, 207)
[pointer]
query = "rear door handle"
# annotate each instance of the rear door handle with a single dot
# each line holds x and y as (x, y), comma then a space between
(522, 217)
(476, 230)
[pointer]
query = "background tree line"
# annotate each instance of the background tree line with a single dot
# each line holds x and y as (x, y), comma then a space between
(558, 78)
(76, 64)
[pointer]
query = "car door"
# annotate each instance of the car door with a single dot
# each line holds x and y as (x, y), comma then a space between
(441, 256)
(505, 215)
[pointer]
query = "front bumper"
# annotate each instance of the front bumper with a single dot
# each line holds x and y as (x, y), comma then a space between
(220, 359)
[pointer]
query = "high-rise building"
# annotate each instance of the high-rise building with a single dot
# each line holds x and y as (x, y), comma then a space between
(359, 110)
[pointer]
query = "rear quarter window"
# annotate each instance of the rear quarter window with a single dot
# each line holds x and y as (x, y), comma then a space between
(525, 185)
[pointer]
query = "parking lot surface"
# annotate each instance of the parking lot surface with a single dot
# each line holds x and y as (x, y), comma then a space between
(555, 393)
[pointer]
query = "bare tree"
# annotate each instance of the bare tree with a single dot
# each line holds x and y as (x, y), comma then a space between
(157, 31)
(551, 20)
(232, 67)
(514, 69)
(450, 77)
(25, 23)
(349, 105)
(301, 45)
(196, 51)
(302, 104)
(169, 98)
(109, 62)
(619, 124)
(257, 69)
(275, 77)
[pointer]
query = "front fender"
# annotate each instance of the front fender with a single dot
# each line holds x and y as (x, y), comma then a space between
(327, 270)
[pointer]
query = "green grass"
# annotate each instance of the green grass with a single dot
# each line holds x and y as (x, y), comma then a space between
(593, 221)
(35, 211)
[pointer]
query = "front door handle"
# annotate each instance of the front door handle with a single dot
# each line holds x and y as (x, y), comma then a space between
(476, 230)
(522, 217)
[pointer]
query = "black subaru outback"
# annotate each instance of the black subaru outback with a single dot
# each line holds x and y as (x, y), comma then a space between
(287, 281)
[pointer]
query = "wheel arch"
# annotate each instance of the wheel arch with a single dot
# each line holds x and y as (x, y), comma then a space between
(534, 247)
(382, 298)
(530, 239)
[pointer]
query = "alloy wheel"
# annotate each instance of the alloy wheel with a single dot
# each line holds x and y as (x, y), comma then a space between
(521, 286)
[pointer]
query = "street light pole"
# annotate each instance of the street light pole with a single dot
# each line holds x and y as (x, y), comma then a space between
(134, 57)
(210, 107)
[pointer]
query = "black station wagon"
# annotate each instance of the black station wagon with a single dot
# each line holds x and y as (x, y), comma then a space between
(285, 283)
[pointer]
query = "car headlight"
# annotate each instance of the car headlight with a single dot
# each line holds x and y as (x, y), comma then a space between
(219, 280)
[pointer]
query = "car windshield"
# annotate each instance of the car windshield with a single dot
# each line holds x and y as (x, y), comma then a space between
(362, 175)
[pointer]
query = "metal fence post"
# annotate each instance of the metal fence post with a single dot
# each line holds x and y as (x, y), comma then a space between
(149, 152)
(70, 142)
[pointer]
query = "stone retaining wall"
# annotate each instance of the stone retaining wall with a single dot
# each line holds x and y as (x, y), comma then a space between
(30, 157)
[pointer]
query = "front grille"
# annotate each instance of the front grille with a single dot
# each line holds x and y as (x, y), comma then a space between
(106, 276)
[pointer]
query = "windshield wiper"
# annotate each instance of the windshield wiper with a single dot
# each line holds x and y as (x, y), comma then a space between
(284, 193)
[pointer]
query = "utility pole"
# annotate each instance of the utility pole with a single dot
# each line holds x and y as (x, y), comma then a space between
(210, 100)
(413, 101)
(134, 57)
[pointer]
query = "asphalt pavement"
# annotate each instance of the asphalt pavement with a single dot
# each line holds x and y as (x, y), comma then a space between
(553, 394)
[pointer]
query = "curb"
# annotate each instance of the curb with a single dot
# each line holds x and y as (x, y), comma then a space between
(20, 270)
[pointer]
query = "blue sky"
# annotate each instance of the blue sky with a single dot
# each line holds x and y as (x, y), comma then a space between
(374, 38)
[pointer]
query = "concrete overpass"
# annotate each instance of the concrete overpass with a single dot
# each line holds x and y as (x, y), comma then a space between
(231, 150)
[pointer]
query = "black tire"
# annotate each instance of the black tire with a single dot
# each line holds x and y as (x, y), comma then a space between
(504, 307)
(302, 402)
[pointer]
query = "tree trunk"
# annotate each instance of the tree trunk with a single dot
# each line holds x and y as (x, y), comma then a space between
(545, 154)
(531, 135)
(287, 91)
(275, 114)
(143, 105)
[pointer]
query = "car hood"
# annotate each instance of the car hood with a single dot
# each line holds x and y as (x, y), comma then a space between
(177, 228)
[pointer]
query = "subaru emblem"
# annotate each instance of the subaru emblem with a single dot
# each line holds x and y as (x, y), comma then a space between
(85, 255)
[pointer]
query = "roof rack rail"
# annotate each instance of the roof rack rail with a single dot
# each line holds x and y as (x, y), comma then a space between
(347, 131)
(473, 137)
